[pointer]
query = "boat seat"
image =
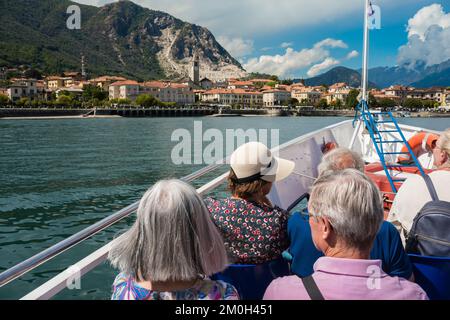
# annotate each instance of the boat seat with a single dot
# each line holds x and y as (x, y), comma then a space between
(433, 275)
(251, 281)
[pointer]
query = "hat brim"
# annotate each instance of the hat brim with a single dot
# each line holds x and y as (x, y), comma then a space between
(279, 170)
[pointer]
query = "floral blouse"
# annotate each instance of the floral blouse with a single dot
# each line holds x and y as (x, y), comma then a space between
(125, 288)
(253, 233)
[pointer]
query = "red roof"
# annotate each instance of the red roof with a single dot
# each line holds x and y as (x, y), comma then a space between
(125, 83)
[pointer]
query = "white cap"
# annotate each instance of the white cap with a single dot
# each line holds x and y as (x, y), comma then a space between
(254, 160)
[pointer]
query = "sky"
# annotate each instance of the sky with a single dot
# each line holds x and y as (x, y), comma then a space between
(303, 38)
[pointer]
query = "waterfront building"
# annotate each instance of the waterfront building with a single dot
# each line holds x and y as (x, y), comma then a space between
(306, 95)
(435, 94)
(338, 87)
(163, 91)
(128, 89)
(335, 96)
(179, 93)
(105, 81)
(24, 88)
(396, 92)
(275, 97)
(76, 91)
(236, 84)
(234, 97)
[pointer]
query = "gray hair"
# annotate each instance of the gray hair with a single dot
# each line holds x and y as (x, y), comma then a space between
(173, 238)
(334, 161)
(443, 143)
(352, 203)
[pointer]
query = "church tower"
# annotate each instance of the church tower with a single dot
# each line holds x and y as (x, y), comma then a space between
(196, 69)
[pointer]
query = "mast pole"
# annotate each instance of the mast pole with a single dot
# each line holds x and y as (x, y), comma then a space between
(364, 69)
(365, 51)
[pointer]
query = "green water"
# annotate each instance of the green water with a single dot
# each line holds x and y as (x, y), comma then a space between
(59, 176)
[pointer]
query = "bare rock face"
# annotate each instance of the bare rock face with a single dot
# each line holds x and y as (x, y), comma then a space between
(172, 41)
(119, 38)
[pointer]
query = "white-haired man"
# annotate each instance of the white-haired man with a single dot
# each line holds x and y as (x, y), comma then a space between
(346, 212)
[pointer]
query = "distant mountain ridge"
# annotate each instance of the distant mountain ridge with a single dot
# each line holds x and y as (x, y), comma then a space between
(382, 77)
(335, 75)
(119, 38)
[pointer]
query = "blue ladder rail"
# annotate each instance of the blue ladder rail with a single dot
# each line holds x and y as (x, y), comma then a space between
(376, 135)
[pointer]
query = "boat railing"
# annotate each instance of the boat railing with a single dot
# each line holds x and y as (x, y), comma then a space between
(48, 254)
(59, 282)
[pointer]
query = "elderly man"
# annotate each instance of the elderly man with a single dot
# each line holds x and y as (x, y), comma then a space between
(414, 194)
(387, 246)
(346, 213)
(339, 159)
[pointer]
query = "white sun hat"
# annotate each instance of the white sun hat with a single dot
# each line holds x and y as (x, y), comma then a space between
(253, 161)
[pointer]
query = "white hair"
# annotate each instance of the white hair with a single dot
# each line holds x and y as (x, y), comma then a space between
(352, 203)
(334, 161)
(173, 238)
(443, 143)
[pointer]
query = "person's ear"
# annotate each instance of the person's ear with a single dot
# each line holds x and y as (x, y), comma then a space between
(326, 228)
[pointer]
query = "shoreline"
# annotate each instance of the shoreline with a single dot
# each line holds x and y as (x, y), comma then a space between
(55, 114)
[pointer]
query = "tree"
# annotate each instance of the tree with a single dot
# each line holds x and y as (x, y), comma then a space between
(64, 100)
(413, 104)
(4, 100)
(322, 104)
(91, 92)
(124, 101)
(274, 78)
(386, 103)
(373, 103)
(23, 102)
(146, 100)
(336, 104)
(293, 102)
(351, 102)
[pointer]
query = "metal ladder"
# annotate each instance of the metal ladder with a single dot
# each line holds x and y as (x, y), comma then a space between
(374, 123)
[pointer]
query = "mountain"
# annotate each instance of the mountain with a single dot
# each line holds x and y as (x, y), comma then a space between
(118, 38)
(335, 75)
(383, 77)
(417, 76)
(440, 79)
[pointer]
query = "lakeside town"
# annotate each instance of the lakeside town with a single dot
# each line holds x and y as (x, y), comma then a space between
(73, 89)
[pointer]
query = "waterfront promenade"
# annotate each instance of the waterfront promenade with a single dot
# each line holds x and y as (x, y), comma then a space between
(133, 112)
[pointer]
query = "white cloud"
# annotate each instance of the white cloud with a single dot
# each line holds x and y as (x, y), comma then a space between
(428, 37)
(352, 54)
(292, 61)
(237, 47)
(252, 18)
(286, 44)
(333, 43)
(425, 18)
(325, 64)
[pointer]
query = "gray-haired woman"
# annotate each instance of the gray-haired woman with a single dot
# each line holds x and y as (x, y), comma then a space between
(171, 249)
(346, 213)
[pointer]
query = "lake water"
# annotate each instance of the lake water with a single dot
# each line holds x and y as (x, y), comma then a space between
(59, 176)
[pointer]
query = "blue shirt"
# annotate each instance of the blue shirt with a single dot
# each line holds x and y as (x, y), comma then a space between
(387, 247)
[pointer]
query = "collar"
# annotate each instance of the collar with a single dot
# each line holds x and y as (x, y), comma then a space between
(349, 267)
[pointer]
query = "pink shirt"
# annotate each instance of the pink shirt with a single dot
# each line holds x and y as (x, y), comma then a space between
(347, 279)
